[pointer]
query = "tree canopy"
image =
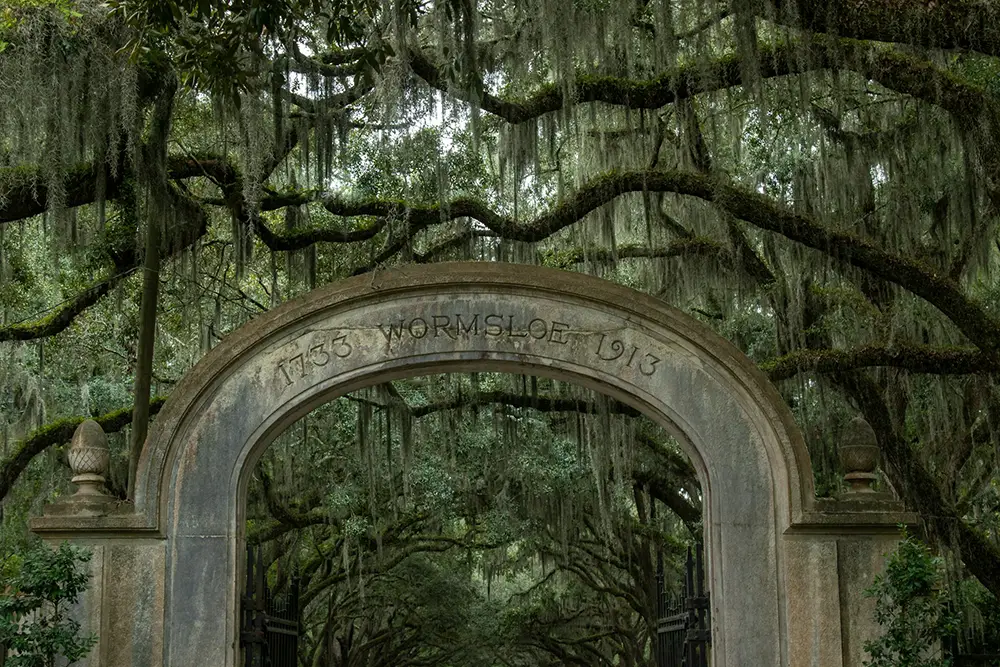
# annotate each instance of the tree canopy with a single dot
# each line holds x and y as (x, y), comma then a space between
(818, 182)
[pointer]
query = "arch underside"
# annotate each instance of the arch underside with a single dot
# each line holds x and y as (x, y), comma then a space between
(473, 317)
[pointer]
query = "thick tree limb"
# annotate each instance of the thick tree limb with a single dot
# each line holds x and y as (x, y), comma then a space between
(970, 317)
(914, 358)
(972, 25)
(696, 246)
(192, 224)
(332, 103)
(540, 403)
(762, 212)
(303, 238)
(900, 72)
(59, 433)
(682, 83)
(668, 494)
(25, 192)
(598, 192)
(333, 64)
(62, 316)
(462, 239)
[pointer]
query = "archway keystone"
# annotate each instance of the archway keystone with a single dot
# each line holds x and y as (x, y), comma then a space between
(167, 568)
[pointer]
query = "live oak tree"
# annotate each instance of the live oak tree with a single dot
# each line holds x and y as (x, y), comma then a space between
(816, 181)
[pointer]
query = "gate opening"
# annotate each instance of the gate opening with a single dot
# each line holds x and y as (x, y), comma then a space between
(478, 519)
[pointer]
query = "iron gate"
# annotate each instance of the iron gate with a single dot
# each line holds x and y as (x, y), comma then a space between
(270, 623)
(683, 635)
(968, 652)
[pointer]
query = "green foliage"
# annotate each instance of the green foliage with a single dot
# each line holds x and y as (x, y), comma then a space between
(15, 12)
(912, 609)
(34, 609)
(222, 46)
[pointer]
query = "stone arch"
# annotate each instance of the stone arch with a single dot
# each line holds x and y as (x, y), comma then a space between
(175, 556)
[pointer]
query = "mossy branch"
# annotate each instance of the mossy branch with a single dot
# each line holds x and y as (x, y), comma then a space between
(127, 258)
(970, 317)
(667, 492)
(417, 217)
(58, 433)
(298, 239)
(326, 105)
(540, 403)
(971, 25)
(24, 191)
(760, 211)
(913, 358)
(679, 84)
(695, 246)
(62, 316)
(453, 242)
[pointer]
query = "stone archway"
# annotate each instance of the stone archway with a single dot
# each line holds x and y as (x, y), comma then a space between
(779, 568)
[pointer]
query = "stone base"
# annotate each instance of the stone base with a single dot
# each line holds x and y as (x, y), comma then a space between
(833, 554)
(84, 505)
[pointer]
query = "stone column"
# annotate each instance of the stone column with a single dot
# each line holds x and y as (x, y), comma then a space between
(88, 458)
(833, 555)
(123, 602)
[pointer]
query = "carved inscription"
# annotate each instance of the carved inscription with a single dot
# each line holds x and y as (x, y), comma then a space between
(610, 349)
(318, 354)
(491, 325)
(498, 325)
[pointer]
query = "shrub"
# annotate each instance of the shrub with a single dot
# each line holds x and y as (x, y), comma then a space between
(911, 608)
(35, 602)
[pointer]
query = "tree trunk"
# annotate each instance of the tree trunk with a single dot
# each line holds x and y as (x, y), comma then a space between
(158, 207)
(147, 340)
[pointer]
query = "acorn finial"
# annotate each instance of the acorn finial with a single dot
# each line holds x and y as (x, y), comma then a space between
(859, 453)
(89, 458)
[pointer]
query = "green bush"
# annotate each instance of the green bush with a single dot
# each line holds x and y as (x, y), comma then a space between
(34, 606)
(911, 608)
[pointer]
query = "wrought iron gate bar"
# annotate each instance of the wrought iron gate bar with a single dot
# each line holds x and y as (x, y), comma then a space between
(683, 634)
(270, 628)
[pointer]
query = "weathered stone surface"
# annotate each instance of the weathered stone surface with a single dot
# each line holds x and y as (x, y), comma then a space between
(813, 600)
(133, 630)
(192, 477)
(859, 560)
